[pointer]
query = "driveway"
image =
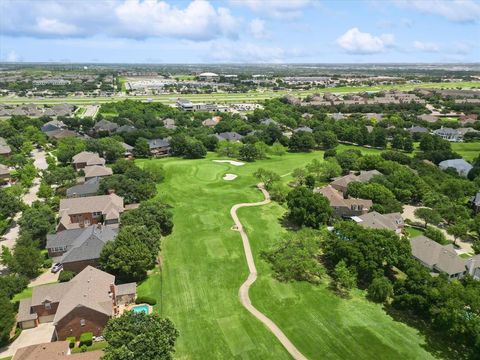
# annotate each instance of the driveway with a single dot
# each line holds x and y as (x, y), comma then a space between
(464, 247)
(41, 334)
(47, 277)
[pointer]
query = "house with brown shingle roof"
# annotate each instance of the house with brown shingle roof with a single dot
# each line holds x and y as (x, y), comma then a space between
(341, 183)
(84, 304)
(5, 149)
(87, 158)
(58, 350)
(344, 206)
(84, 211)
(375, 220)
(437, 257)
(4, 174)
(96, 171)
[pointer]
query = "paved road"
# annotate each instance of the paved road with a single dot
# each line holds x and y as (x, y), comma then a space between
(243, 292)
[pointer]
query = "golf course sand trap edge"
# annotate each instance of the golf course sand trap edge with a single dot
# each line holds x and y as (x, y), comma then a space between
(229, 177)
(231, 162)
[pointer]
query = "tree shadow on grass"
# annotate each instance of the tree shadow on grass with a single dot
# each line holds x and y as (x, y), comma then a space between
(435, 343)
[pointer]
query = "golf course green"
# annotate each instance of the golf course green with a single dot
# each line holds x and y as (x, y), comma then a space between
(203, 266)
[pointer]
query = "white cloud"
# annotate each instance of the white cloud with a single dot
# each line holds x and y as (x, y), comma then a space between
(199, 20)
(462, 11)
(426, 46)
(256, 27)
(356, 42)
(280, 9)
(139, 19)
(54, 26)
(12, 56)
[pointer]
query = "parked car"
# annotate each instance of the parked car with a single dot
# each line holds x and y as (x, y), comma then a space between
(57, 267)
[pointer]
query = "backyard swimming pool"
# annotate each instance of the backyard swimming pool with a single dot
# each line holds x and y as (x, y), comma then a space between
(141, 308)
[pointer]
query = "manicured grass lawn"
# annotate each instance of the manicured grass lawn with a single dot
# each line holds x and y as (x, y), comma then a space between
(95, 346)
(204, 266)
(25, 294)
(412, 232)
(468, 150)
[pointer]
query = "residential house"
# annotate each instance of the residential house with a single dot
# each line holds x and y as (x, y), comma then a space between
(341, 183)
(268, 121)
(5, 176)
(344, 206)
(5, 149)
(437, 257)
(228, 136)
(88, 188)
(303, 129)
(83, 304)
(78, 248)
(96, 171)
(169, 124)
(53, 125)
(417, 130)
(375, 220)
(86, 158)
(159, 147)
(57, 350)
(84, 211)
(128, 150)
(460, 165)
(212, 121)
(475, 202)
(61, 134)
(105, 126)
(125, 129)
(337, 116)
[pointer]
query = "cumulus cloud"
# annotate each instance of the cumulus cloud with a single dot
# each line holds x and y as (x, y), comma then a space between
(462, 11)
(197, 20)
(256, 27)
(426, 46)
(280, 9)
(356, 42)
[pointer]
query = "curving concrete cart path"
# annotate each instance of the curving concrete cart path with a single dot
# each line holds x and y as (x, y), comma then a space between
(243, 292)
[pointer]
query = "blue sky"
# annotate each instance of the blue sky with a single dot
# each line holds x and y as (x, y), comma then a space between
(240, 31)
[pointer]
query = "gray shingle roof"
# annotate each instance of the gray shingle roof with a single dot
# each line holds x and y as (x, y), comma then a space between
(436, 256)
(90, 187)
(158, 143)
(375, 220)
(460, 165)
(229, 136)
(82, 244)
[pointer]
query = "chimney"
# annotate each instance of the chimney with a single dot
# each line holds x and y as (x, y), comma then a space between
(112, 291)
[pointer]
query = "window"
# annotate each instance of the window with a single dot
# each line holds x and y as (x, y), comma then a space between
(82, 322)
(48, 306)
(97, 213)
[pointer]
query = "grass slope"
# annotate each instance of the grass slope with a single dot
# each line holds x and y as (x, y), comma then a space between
(468, 150)
(204, 266)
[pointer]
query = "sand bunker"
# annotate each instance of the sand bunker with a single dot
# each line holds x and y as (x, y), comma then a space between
(229, 177)
(231, 162)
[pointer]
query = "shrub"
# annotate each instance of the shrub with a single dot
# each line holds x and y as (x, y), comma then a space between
(380, 289)
(83, 348)
(145, 300)
(66, 275)
(47, 263)
(86, 339)
(18, 331)
(72, 340)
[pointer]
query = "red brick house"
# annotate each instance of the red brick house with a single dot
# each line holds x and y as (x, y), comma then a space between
(84, 304)
(86, 158)
(85, 211)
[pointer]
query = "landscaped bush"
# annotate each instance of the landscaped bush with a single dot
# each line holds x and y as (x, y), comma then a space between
(86, 339)
(66, 275)
(145, 300)
(83, 348)
(72, 340)
(47, 263)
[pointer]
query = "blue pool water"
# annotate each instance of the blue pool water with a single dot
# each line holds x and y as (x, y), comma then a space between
(140, 308)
